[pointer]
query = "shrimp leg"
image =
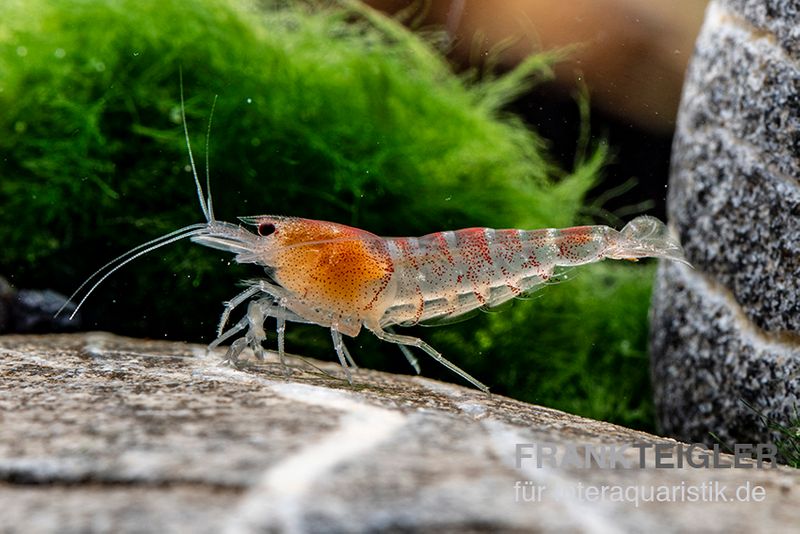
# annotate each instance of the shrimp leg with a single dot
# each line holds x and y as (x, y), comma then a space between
(257, 312)
(238, 327)
(433, 353)
(407, 353)
(346, 352)
(254, 337)
(262, 286)
(233, 303)
(280, 293)
(338, 344)
(280, 327)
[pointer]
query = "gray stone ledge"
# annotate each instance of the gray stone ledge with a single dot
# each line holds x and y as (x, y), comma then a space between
(707, 360)
(102, 433)
(779, 17)
(744, 84)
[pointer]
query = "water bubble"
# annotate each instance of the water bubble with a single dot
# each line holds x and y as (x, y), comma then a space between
(136, 53)
(22, 51)
(60, 53)
(249, 100)
(448, 199)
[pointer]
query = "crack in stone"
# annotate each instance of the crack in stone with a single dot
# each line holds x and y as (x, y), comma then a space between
(16, 477)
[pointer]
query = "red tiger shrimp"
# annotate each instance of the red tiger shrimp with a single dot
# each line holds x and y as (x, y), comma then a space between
(346, 279)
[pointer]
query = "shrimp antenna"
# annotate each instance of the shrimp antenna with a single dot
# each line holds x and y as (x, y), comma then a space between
(203, 205)
(208, 168)
(141, 250)
(186, 231)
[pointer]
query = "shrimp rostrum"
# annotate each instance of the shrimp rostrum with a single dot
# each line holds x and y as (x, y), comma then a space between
(346, 279)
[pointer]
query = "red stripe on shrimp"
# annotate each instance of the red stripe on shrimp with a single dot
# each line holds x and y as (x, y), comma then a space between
(381, 250)
(570, 239)
(475, 252)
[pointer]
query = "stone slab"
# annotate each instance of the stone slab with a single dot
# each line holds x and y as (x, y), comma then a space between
(743, 83)
(102, 433)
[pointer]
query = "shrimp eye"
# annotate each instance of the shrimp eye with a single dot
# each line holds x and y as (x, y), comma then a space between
(265, 229)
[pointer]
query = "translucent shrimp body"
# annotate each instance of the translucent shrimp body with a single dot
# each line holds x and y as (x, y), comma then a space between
(345, 278)
(447, 274)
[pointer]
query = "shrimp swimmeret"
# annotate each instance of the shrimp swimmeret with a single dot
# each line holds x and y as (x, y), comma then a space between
(345, 278)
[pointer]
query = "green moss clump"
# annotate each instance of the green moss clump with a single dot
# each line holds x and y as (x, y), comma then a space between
(332, 113)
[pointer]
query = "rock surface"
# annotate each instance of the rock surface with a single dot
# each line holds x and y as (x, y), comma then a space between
(32, 311)
(102, 433)
(728, 333)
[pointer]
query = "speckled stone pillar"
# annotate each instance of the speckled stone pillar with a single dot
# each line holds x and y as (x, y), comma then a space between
(727, 334)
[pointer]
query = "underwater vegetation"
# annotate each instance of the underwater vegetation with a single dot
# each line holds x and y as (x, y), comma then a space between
(332, 113)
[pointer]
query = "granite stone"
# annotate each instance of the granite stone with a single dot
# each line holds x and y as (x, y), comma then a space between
(715, 375)
(779, 18)
(739, 224)
(725, 338)
(742, 83)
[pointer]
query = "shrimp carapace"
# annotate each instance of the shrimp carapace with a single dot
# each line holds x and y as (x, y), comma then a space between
(326, 265)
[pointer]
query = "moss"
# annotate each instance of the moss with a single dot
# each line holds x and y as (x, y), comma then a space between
(333, 113)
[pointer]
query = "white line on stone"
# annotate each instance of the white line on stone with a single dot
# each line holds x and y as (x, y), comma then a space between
(719, 18)
(279, 497)
(713, 292)
(749, 156)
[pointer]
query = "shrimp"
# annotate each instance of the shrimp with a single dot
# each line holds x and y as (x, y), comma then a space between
(345, 278)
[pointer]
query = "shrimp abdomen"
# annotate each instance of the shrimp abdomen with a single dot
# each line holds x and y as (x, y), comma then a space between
(450, 273)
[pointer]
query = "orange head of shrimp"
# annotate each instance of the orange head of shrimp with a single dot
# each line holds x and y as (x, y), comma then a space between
(332, 265)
